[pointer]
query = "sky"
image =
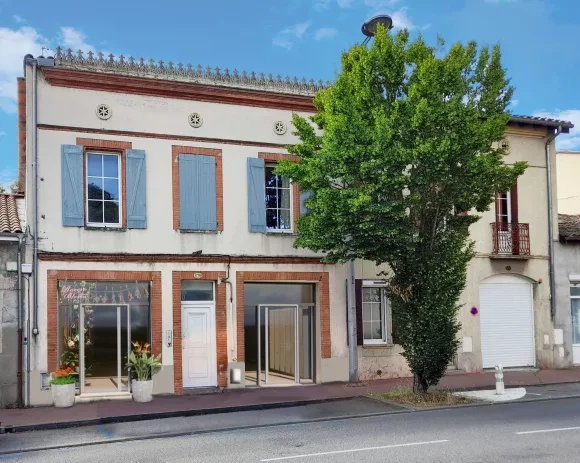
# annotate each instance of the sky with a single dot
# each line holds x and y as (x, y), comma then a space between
(302, 38)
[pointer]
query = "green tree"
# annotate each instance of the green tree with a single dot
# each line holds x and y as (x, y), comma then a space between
(14, 187)
(409, 143)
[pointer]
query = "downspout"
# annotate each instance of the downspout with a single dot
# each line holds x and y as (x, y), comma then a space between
(231, 307)
(551, 222)
(19, 400)
(35, 189)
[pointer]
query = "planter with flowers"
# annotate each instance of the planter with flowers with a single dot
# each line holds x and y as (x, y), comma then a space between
(62, 386)
(144, 366)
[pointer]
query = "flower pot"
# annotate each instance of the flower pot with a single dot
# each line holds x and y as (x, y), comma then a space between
(63, 395)
(142, 390)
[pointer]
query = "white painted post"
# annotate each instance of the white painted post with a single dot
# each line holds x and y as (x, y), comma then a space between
(499, 386)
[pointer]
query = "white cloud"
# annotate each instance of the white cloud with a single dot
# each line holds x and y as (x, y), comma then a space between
(74, 39)
(321, 5)
(515, 103)
(569, 141)
(18, 19)
(14, 45)
(287, 37)
(344, 3)
(325, 33)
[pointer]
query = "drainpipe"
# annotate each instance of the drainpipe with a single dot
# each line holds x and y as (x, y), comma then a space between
(41, 61)
(20, 324)
(551, 222)
(231, 307)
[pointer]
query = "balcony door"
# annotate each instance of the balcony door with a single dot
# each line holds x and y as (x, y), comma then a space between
(507, 225)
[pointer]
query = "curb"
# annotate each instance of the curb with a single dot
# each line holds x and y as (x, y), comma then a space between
(159, 415)
(8, 428)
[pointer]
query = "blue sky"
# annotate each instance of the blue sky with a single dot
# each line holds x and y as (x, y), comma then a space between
(301, 38)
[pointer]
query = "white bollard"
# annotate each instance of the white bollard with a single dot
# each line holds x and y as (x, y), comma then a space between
(499, 386)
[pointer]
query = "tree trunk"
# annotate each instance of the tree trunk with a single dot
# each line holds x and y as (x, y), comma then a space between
(420, 385)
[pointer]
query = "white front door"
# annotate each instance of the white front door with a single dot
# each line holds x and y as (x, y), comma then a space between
(198, 344)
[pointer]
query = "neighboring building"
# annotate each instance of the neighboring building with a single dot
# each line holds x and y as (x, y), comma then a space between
(567, 252)
(11, 243)
(568, 163)
(160, 220)
(505, 317)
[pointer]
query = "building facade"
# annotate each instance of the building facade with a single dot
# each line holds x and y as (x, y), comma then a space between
(161, 221)
(505, 311)
(568, 251)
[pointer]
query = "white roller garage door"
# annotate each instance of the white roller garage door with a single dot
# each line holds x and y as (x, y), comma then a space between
(507, 322)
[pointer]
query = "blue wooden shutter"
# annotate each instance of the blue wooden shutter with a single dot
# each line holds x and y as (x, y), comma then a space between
(73, 196)
(256, 195)
(304, 195)
(197, 192)
(136, 189)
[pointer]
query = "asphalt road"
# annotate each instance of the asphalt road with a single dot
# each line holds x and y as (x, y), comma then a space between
(532, 432)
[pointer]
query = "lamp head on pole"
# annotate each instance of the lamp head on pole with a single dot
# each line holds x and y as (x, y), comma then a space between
(369, 28)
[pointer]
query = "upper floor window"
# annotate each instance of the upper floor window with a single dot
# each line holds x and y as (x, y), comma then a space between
(278, 200)
(103, 191)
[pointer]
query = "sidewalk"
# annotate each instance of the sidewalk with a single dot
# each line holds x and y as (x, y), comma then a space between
(18, 420)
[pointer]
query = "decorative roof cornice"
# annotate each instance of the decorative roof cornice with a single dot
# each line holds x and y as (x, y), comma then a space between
(96, 62)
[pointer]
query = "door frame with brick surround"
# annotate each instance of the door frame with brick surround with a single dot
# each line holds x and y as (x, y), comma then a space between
(221, 327)
(320, 279)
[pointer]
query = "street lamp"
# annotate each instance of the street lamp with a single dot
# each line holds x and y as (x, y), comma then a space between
(369, 28)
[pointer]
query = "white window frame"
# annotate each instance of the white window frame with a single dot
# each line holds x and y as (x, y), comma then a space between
(385, 306)
(573, 284)
(86, 192)
(508, 199)
(290, 190)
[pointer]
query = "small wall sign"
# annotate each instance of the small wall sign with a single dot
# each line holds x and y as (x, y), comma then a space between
(197, 276)
(45, 381)
(474, 311)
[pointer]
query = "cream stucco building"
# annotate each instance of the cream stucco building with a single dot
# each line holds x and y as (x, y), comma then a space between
(159, 219)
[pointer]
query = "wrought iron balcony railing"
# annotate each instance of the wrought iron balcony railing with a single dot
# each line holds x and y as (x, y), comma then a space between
(511, 239)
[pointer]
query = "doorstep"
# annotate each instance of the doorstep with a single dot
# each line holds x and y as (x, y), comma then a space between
(97, 397)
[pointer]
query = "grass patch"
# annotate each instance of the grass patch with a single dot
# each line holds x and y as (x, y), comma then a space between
(437, 398)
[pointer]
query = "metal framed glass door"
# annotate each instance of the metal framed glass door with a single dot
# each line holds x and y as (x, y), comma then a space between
(105, 344)
(288, 330)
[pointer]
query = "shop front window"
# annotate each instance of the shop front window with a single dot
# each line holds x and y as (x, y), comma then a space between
(97, 322)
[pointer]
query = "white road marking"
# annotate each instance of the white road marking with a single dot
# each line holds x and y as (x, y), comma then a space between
(548, 430)
(532, 393)
(355, 450)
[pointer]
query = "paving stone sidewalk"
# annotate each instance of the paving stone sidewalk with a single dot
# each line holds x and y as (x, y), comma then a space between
(253, 399)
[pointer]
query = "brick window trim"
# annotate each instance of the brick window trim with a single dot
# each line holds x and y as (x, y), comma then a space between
(323, 302)
(221, 325)
(274, 158)
(176, 150)
(53, 277)
(113, 146)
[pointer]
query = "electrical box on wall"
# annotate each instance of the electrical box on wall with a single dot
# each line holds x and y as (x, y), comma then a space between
(13, 267)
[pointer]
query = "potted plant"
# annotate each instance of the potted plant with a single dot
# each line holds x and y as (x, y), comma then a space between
(144, 366)
(62, 386)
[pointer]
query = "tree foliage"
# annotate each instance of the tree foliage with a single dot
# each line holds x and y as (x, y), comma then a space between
(408, 144)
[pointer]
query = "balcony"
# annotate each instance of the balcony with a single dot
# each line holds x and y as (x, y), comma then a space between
(511, 240)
